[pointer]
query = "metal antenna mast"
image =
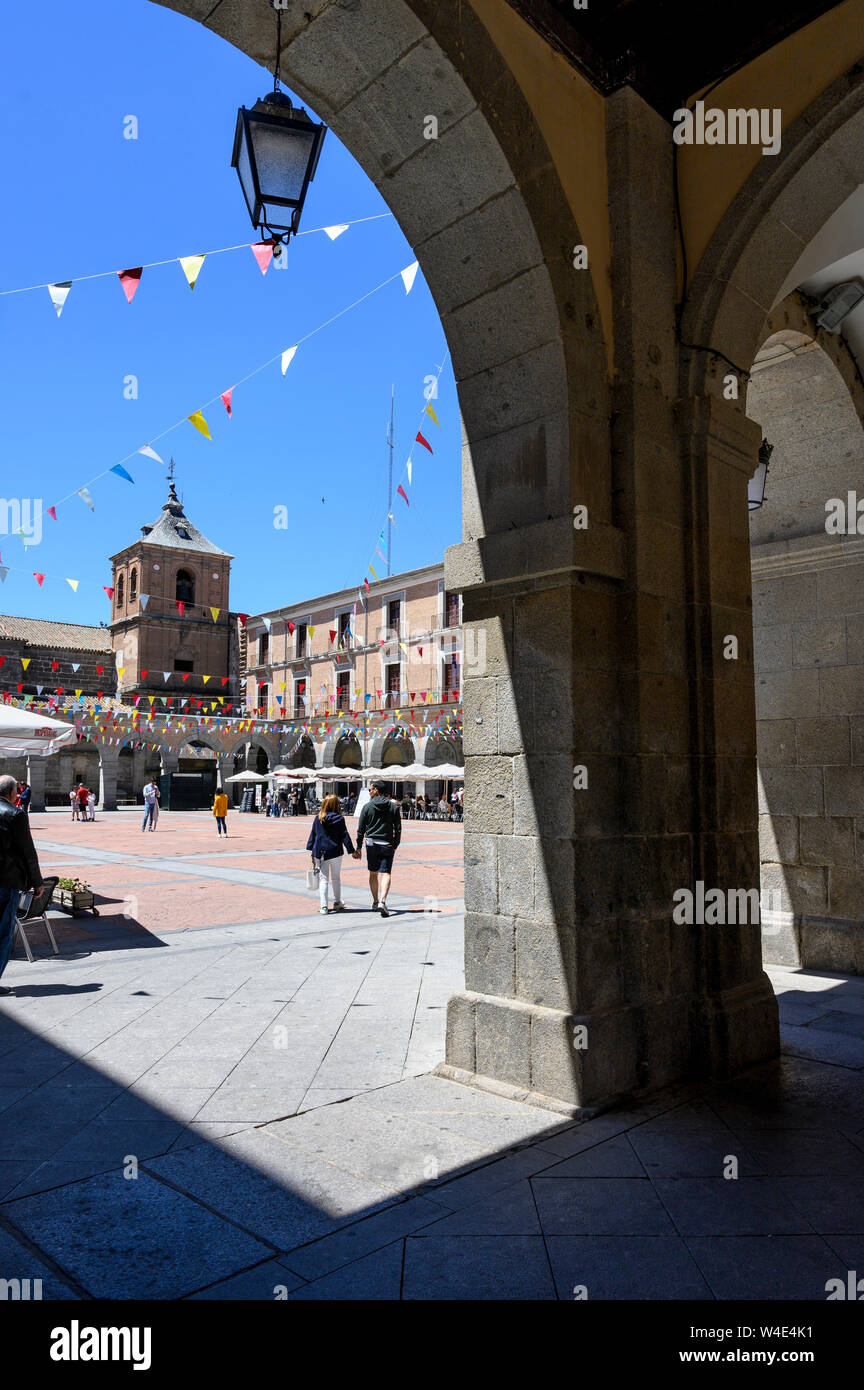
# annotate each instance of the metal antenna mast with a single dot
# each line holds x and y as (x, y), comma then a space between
(390, 478)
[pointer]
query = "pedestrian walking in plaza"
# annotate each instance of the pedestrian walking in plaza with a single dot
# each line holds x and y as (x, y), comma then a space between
(220, 811)
(19, 866)
(26, 794)
(326, 839)
(82, 794)
(381, 826)
(73, 802)
(151, 806)
(91, 805)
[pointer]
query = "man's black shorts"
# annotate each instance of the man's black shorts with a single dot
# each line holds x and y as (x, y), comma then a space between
(379, 858)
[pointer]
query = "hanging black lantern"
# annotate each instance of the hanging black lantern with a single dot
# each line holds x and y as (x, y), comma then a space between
(756, 485)
(276, 150)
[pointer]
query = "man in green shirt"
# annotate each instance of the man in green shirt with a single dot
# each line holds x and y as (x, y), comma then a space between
(380, 824)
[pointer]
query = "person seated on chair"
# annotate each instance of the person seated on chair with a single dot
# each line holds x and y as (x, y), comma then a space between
(19, 866)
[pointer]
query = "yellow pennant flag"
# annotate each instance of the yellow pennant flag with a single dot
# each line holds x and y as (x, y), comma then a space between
(311, 631)
(220, 699)
(200, 423)
(205, 679)
(214, 613)
(121, 670)
(431, 413)
(281, 685)
(191, 267)
(73, 584)
(77, 694)
(151, 698)
(25, 661)
(212, 704)
(372, 572)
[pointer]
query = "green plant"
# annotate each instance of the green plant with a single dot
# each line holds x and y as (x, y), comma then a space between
(73, 885)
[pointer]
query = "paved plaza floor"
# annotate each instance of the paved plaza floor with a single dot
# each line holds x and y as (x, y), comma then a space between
(215, 1093)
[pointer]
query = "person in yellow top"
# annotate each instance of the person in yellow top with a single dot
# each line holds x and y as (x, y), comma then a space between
(220, 811)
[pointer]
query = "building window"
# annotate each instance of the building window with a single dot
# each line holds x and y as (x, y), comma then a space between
(451, 609)
(185, 590)
(299, 699)
(263, 648)
(393, 685)
(394, 615)
(343, 690)
(181, 664)
(133, 586)
(263, 698)
(451, 673)
(118, 598)
(302, 637)
(344, 627)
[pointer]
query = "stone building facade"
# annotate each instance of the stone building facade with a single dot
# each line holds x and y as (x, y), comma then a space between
(808, 636)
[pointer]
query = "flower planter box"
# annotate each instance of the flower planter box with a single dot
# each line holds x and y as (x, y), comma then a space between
(71, 901)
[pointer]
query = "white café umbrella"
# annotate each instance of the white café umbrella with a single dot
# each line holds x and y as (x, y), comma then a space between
(248, 777)
(338, 774)
(36, 734)
(446, 772)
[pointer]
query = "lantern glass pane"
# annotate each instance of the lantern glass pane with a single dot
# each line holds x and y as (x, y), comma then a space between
(282, 158)
(756, 487)
(244, 171)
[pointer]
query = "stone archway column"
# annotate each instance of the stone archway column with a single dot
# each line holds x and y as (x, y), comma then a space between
(610, 751)
(108, 769)
(36, 771)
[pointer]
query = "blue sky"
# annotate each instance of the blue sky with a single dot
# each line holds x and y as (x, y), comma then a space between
(82, 199)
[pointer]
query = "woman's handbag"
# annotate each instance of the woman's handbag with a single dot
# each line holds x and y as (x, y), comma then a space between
(312, 877)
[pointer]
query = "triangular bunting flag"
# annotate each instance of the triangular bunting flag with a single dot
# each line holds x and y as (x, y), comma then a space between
(166, 675)
(225, 398)
(243, 618)
(425, 442)
(51, 512)
(431, 413)
(408, 275)
(109, 592)
(76, 665)
(263, 253)
(25, 661)
(311, 631)
(143, 599)
(408, 470)
(121, 473)
(402, 493)
(150, 453)
(205, 679)
(372, 572)
(181, 606)
(130, 280)
(214, 613)
(84, 494)
(40, 578)
(287, 356)
(191, 268)
(197, 419)
(58, 294)
(340, 227)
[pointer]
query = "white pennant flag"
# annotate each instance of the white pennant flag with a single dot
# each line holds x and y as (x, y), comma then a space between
(58, 294)
(408, 275)
(75, 665)
(165, 675)
(267, 623)
(333, 232)
(150, 453)
(4, 570)
(286, 358)
(144, 599)
(84, 494)
(409, 470)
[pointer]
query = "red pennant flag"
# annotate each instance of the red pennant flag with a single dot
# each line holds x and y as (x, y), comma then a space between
(366, 582)
(52, 513)
(181, 606)
(402, 493)
(54, 665)
(243, 618)
(143, 675)
(130, 280)
(185, 676)
(300, 686)
(100, 670)
(109, 592)
(412, 696)
(225, 680)
(420, 650)
(39, 578)
(263, 253)
(226, 399)
(333, 634)
(425, 442)
(2, 659)
(291, 627)
(19, 688)
(99, 694)
(378, 693)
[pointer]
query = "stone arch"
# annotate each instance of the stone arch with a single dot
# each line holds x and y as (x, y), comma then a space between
(388, 745)
(765, 229)
(343, 751)
(259, 740)
(184, 584)
(447, 748)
